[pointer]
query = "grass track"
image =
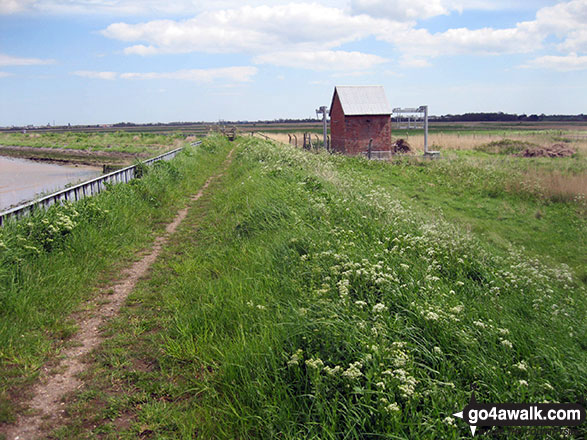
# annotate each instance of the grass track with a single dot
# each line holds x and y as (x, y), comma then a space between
(301, 299)
(51, 263)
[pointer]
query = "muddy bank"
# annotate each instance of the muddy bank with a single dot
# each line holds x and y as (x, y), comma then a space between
(70, 156)
(22, 180)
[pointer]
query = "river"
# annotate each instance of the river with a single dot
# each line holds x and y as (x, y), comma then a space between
(22, 180)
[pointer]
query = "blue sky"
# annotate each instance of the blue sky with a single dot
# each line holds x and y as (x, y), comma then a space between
(105, 61)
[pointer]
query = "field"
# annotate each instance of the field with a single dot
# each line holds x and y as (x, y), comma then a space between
(118, 148)
(309, 295)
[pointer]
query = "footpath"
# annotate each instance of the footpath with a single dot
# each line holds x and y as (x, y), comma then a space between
(46, 407)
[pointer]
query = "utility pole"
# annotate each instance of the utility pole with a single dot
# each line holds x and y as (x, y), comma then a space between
(324, 111)
(424, 109)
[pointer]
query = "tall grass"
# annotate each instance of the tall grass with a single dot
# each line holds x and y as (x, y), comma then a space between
(310, 303)
(470, 141)
(143, 143)
(52, 261)
(555, 186)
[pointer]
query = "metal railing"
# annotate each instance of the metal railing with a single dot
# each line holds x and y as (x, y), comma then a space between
(378, 154)
(84, 189)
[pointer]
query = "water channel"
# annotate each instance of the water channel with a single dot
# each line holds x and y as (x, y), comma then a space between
(22, 180)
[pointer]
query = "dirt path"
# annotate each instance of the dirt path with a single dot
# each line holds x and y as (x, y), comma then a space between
(46, 406)
(72, 156)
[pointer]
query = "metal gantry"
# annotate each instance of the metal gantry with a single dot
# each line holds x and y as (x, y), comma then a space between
(324, 111)
(414, 118)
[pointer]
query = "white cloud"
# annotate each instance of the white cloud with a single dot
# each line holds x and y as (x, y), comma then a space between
(13, 6)
(233, 74)
(184, 8)
(559, 63)
(262, 29)
(128, 7)
(402, 10)
(565, 20)
(5, 74)
(9, 60)
(562, 17)
(409, 61)
(117, 7)
(576, 41)
(308, 35)
(95, 75)
(399, 10)
(419, 43)
(330, 60)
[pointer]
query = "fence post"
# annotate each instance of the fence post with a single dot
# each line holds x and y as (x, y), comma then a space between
(369, 149)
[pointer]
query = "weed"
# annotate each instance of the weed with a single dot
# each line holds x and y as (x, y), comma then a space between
(307, 301)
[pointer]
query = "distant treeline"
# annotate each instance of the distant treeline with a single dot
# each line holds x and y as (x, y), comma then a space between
(221, 122)
(465, 117)
(505, 117)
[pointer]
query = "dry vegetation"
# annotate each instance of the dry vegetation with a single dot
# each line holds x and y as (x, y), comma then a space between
(285, 137)
(553, 179)
(467, 141)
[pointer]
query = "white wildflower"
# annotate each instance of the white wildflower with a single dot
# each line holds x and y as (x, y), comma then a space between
(353, 371)
(521, 366)
(315, 363)
(295, 358)
(379, 308)
(332, 371)
(457, 309)
(392, 408)
(431, 316)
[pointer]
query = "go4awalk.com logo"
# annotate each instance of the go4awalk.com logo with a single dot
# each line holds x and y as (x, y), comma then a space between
(478, 414)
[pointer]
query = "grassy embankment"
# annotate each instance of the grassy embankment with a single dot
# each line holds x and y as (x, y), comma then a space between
(308, 297)
(481, 184)
(117, 148)
(50, 263)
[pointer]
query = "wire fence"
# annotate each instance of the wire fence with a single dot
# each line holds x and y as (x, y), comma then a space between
(85, 189)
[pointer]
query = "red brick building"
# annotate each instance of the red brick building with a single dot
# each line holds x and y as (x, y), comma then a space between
(357, 114)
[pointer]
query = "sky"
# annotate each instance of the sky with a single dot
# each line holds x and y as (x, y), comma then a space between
(107, 61)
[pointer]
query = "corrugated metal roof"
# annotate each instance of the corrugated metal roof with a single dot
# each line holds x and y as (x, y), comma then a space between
(362, 100)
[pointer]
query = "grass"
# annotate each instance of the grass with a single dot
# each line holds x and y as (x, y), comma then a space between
(311, 296)
(495, 141)
(51, 262)
(124, 142)
(503, 201)
(505, 146)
